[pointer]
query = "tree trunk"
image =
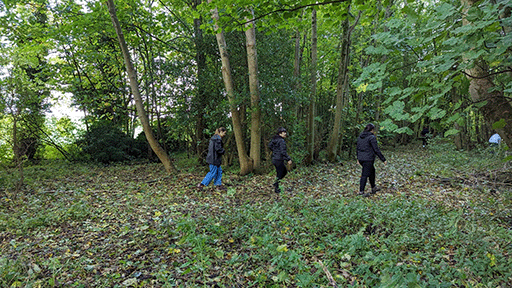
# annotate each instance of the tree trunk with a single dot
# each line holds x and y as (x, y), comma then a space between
(252, 63)
(311, 113)
(159, 151)
(332, 146)
(200, 101)
(296, 62)
(245, 161)
(497, 107)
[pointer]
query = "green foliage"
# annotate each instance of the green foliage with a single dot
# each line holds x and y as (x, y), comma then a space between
(128, 225)
(106, 143)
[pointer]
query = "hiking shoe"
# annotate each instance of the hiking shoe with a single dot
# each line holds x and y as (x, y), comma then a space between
(276, 187)
(200, 186)
(375, 190)
(222, 188)
(360, 193)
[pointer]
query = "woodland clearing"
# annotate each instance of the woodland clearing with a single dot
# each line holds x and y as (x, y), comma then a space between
(442, 219)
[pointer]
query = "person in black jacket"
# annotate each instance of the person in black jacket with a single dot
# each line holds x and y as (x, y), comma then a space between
(214, 158)
(279, 156)
(367, 148)
(424, 136)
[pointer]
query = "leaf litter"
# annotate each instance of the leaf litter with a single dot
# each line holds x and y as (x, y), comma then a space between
(120, 224)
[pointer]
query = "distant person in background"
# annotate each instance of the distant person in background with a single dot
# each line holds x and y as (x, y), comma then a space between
(279, 156)
(424, 136)
(214, 158)
(495, 140)
(367, 148)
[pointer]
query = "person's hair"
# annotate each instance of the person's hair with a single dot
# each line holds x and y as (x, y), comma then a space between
(369, 127)
(280, 130)
(220, 129)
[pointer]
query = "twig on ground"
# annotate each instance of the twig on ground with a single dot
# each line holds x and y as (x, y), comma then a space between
(326, 271)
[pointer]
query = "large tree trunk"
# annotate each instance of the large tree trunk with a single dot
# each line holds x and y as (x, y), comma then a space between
(245, 161)
(311, 113)
(159, 151)
(497, 107)
(252, 63)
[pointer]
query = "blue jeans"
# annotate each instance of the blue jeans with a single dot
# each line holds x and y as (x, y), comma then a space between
(215, 173)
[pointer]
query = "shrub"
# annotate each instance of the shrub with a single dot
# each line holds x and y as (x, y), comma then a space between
(105, 143)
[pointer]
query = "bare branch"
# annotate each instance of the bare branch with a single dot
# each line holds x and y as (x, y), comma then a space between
(488, 75)
(293, 9)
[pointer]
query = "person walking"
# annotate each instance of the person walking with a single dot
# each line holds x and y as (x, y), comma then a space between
(367, 148)
(424, 136)
(279, 156)
(214, 158)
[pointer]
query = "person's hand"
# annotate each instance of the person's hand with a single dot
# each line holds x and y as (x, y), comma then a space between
(289, 162)
(385, 162)
(358, 162)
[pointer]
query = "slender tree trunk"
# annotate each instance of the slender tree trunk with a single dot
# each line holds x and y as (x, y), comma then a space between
(252, 63)
(311, 115)
(296, 62)
(201, 141)
(246, 165)
(201, 144)
(332, 146)
(159, 151)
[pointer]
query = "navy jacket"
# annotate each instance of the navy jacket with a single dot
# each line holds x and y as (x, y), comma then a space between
(278, 147)
(215, 151)
(367, 147)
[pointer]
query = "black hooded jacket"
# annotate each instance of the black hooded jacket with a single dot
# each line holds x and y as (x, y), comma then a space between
(215, 151)
(367, 147)
(278, 147)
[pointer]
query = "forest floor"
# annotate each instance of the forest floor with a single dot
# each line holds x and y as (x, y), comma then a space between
(442, 219)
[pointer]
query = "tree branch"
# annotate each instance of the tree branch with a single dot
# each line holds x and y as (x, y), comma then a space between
(293, 9)
(488, 75)
(162, 41)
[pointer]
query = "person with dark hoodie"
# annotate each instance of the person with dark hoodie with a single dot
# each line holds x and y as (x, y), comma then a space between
(214, 158)
(367, 148)
(279, 156)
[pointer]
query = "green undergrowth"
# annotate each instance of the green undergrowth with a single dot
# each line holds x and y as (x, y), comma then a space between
(77, 225)
(363, 243)
(398, 243)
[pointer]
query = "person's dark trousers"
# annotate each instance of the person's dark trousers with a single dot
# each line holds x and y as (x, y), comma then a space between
(281, 171)
(368, 172)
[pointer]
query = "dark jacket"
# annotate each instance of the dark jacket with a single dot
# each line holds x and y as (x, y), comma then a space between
(278, 147)
(215, 151)
(367, 147)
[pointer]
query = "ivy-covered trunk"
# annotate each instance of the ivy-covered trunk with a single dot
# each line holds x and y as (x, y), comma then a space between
(199, 102)
(496, 107)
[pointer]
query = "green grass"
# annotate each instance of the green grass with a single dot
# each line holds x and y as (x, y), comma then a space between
(79, 225)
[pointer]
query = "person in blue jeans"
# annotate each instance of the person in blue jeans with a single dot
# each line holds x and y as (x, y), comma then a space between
(367, 148)
(214, 158)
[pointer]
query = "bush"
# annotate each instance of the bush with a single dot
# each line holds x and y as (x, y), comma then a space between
(105, 143)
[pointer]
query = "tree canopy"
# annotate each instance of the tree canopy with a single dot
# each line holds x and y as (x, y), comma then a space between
(401, 64)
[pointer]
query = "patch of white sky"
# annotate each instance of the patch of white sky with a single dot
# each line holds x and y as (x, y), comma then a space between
(61, 102)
